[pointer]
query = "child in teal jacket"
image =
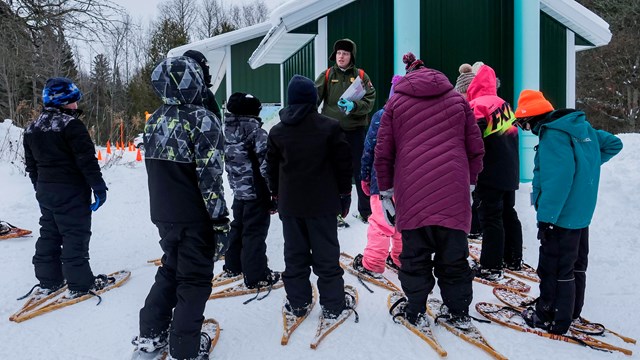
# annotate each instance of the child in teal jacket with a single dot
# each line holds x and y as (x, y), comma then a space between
(565, 188)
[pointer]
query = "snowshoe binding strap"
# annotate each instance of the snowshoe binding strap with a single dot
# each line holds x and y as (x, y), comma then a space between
(480, 320)
(29, 293)
(253, 298)
(91, 292)
(399, 314)
(351, 306)
(269, 288)
(600, 327)
(363, 284)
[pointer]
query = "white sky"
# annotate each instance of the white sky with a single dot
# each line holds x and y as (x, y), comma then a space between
(142, 12)
(147, 9)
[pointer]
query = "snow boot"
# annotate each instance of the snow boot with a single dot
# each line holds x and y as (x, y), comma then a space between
(359, 267)
(391, 264)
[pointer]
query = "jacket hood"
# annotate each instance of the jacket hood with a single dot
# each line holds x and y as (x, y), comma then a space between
(484, 84)
(294, 114)
(573, 122)
(423, 83)
(178, 81)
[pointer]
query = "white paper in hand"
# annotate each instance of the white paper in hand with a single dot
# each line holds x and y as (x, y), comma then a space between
(355, 92)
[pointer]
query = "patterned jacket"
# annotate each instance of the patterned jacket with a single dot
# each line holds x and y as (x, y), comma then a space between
(184, 148)
(58, 149)
(245, 149)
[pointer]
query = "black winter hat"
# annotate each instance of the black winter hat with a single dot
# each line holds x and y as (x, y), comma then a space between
(244, 104)
(302, 90)
(202, 61)
(346, 45)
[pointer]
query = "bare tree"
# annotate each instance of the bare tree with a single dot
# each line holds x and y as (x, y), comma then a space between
(608, 86)
(210, 20)
(254, 13)
(182, 12)
(81, 19)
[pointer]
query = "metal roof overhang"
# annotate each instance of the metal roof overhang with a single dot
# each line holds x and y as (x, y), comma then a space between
(215, 48)
(578, 19)
(279, 44)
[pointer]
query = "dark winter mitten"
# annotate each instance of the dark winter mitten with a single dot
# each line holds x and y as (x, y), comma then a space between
(543, 229)
(273, 206)
(345, 204)
(100, 196)
(389, 207)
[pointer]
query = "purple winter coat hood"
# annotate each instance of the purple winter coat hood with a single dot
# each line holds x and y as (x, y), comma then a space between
(423, 83)
(429, 149)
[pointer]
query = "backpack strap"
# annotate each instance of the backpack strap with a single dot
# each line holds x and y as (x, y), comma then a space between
(361, 74)
(326, 76)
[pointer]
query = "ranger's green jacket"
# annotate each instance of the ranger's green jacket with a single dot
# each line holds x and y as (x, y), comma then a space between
(331, 90)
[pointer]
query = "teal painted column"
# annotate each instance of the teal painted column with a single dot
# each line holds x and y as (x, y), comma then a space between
(406, 31)
(526, 71)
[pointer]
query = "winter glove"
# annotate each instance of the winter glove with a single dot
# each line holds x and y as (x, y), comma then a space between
(388, 206)
(345, 204)
(543, 229)
(366, 187)
(221, 232)
(346, 105)
(221, 225)
(273, 206)
(100, 197)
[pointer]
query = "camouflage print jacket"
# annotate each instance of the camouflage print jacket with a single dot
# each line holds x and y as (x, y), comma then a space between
(184, 148)
(245, 150)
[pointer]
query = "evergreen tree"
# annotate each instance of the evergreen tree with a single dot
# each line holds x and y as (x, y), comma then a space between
(98, 104)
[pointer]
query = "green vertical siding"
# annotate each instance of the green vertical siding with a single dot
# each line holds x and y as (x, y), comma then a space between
(301, 63)
(221, 93)
(466, 31)
(263, 82)
(553, 61)
(369, 23)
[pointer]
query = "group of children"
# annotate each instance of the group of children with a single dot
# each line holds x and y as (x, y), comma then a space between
(413, 170)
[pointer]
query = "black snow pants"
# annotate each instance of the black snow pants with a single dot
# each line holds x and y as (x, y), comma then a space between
(177, 299)
(355, 138)
(312, 242)
(441, 251)
(62, 250)
(562, 269)
(501, 228)
(247, 240)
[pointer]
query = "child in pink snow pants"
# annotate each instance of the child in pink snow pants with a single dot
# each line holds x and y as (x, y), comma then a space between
(380, 234)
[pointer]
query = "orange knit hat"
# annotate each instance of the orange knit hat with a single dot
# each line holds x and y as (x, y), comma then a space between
(532, 103)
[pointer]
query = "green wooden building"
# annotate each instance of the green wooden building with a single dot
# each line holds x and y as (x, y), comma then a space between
(530, 43)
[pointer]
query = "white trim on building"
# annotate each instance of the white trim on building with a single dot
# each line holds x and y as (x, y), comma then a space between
(278, 45)
(217, 50)
(578, 19)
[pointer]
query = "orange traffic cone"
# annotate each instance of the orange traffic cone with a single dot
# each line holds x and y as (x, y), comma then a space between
(138, 156)
(108, 147)
(99, 155)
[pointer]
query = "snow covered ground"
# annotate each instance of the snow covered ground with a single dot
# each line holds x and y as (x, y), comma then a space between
(124, 238)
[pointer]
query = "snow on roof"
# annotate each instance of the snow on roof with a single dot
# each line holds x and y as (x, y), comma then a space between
(578, 19)
(279, 44)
